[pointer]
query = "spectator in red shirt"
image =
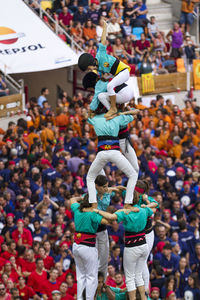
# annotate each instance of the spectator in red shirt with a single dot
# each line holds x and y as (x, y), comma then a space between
(38, 276)
(11, 273)
(61, 274)
(25, 291)
(64, 294)
(9, 285)
(56, 295)
(119, 281)
(110, 280)
(50, 285)
(65, 18)
(14, 293)
(142, 45)
(48, 260)
(21, 235)
(11, 250)
(28, 265)
(14, 265)
(3, 294)
(72, 287)
(2, 263)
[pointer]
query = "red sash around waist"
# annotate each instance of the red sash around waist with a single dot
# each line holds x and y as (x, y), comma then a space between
(88, 239)
(133, 239)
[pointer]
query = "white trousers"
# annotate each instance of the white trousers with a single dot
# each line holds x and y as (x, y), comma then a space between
(116, 157)
(145, 273)
(134, 261)
(102, 245)
(123, 96)
(130, 154)
(120, 78)
(86, 259)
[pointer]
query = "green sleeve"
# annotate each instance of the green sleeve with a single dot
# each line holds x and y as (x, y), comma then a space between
(102, 49)
(124, 193)
(90, 121)
(152, 200)
(118, 294)
(140, 202)
(149, 211)
(125, 120)
(120, 216)
(112, 194)
(75, 206)
(115, 290)
(96, 218)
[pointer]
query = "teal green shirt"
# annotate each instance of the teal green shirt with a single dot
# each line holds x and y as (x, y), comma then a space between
(105, 61)
(111, 127)
(100, 87)
(103, 203)
(134, 222)
(118, 295)
(87, 222)
(151, 200)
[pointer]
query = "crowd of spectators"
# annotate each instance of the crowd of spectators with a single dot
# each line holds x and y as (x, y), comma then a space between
(44, 162)
(132, 37)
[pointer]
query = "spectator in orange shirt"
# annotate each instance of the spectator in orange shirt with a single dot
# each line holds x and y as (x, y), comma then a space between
(195, 138)
(166, 117)
(156, 140)
(186, 18)
(145, 118)
(89, 31)
(169, 106)
(176, 150)
(153, 108)
(62, 120)
(32, 136)
(188, 108)
(75, 127)
(140, 104)
(36, 116)
(77, 32)
(47, 135)
(158, 117)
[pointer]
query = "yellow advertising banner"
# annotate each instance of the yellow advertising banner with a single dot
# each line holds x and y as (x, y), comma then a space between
(196, 73)
(148, 85)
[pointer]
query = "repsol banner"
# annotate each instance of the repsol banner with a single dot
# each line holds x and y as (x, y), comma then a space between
(27, 44)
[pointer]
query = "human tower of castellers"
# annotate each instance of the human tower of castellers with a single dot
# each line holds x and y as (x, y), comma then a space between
(110, 117)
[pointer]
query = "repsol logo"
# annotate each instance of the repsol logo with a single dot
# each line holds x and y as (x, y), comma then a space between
(22, 49)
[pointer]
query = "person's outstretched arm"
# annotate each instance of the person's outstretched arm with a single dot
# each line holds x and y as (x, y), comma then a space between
(106, 215)
(104, 33)
(130, 112)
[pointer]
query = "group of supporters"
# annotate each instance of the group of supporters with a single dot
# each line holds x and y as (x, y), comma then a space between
(133, 37)
(44, 162)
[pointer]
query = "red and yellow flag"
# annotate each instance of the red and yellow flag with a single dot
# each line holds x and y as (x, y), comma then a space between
(148, 85)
